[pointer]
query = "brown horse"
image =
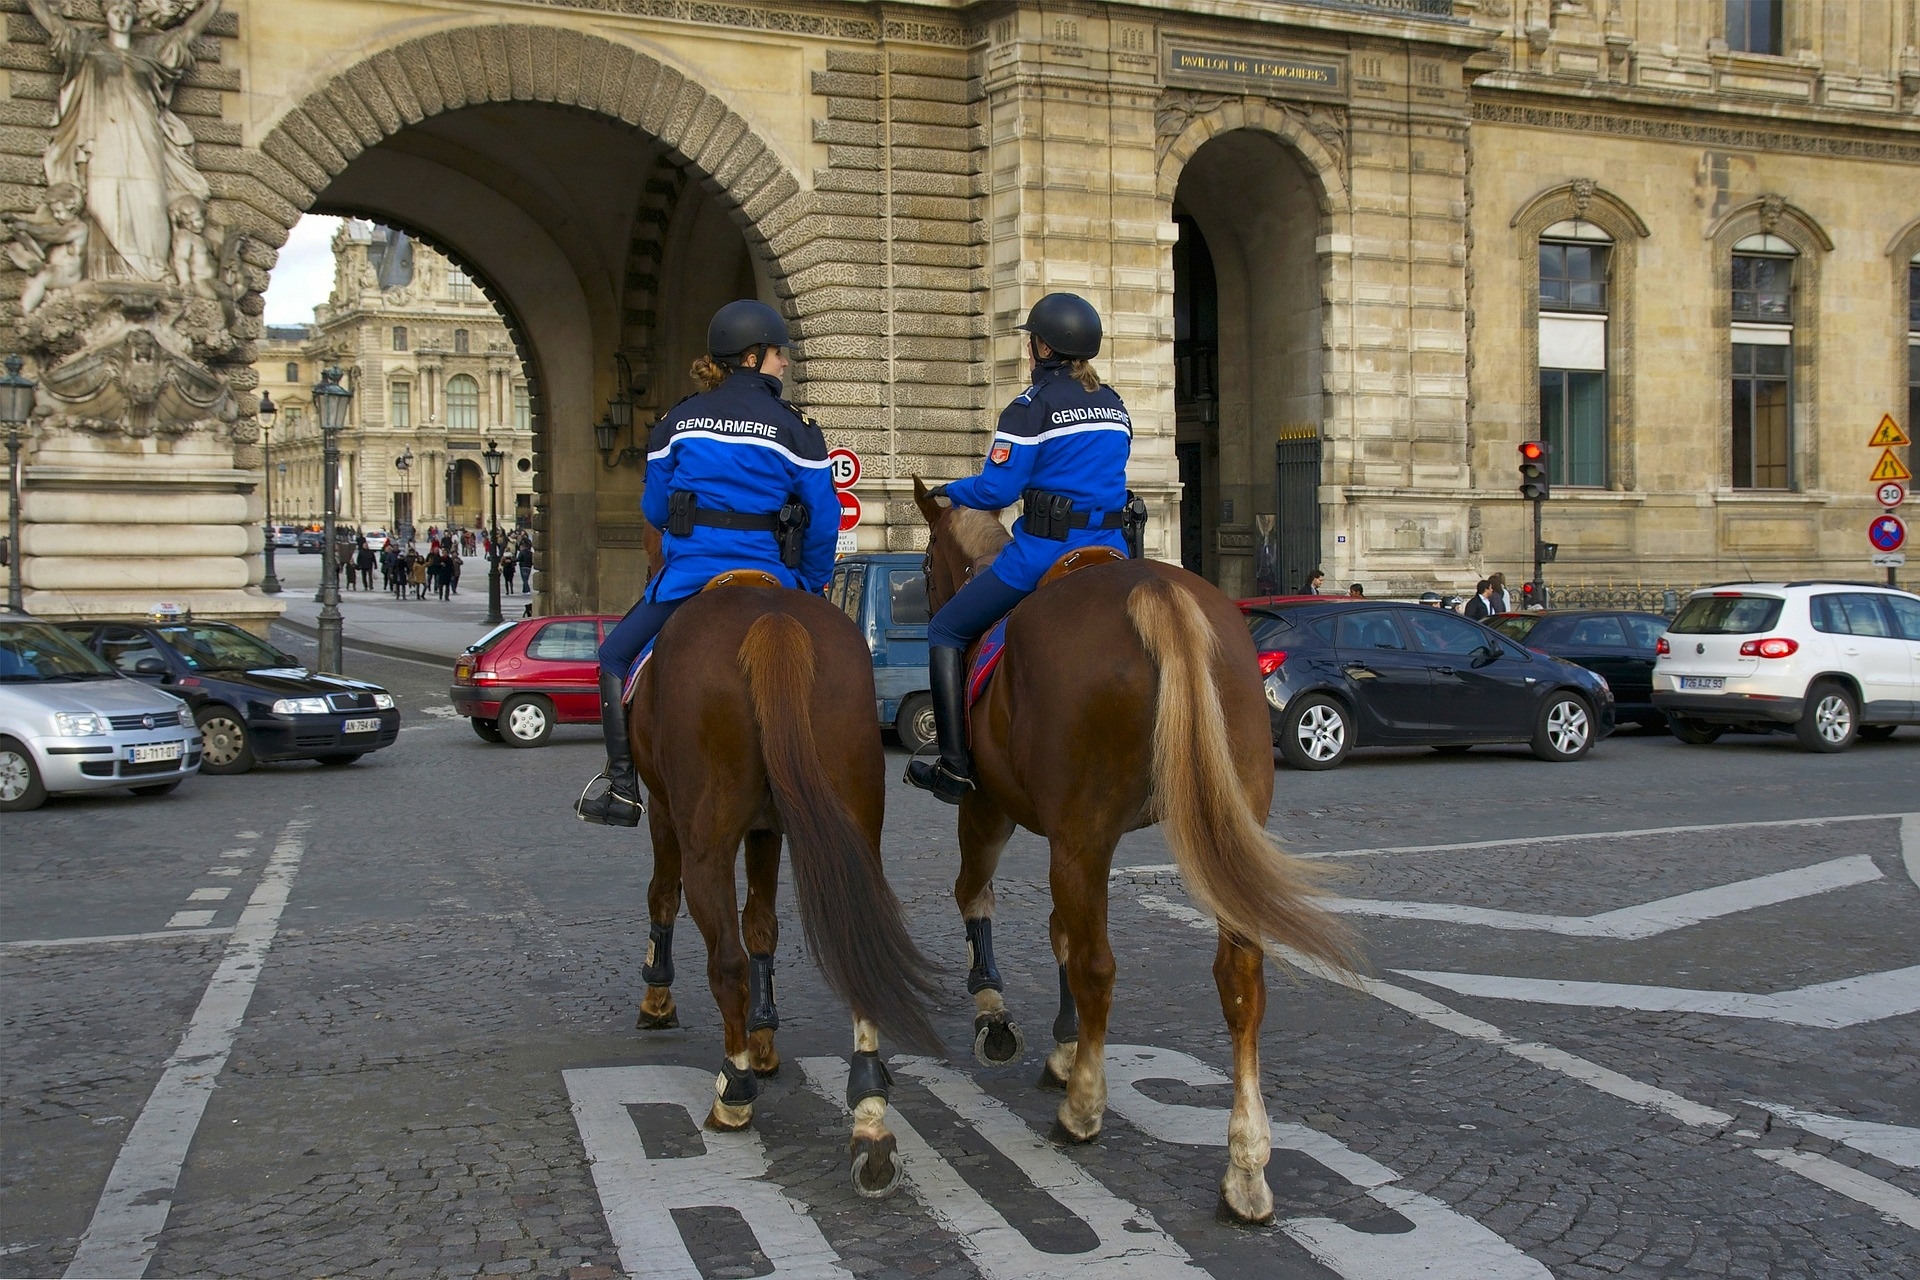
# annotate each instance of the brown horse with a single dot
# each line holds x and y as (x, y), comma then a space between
(1128, 694)
(753, 719)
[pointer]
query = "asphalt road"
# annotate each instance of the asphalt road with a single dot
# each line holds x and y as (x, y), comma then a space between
(1652, 1013)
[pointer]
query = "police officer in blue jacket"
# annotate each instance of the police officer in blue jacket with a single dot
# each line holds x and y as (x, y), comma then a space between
(737, 478)
(1061, 449)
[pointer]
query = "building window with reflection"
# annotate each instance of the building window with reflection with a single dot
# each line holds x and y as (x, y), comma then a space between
(1574, 259)
(459, 285)
(399, 337)
(293, 371)
(522, 408)
(1762, 363)
(460, 342)
(1754, 26)
(402, 412)
(463, 403)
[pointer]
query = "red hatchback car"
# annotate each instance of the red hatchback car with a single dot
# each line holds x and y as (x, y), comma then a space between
(522, 678)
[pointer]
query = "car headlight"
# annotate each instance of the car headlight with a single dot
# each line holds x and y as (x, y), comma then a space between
(383, 702)
(78, 724)
(300, 707)
(186, 716)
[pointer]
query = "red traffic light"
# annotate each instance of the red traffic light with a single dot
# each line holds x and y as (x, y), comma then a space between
(1533, 450)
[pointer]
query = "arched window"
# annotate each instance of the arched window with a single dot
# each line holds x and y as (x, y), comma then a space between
(463, 403)
(1762, 321)
(399, 337)
(293, 371)
(460, 342)
(1575, 258)
(522, 408)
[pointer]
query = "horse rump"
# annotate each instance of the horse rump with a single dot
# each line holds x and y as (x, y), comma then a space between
(849, 913)
(1229, 863)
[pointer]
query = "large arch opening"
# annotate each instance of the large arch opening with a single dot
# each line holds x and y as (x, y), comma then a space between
(1248, 391)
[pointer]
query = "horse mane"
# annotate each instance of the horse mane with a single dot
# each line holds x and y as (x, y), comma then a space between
(976, 533)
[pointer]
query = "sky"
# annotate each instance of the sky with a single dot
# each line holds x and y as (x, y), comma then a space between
(303, 277)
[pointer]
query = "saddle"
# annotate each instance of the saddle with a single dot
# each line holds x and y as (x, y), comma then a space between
(731, 578)
(993, 646)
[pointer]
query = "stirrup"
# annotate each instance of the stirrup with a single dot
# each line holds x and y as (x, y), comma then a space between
(936, 777)
(608, 808)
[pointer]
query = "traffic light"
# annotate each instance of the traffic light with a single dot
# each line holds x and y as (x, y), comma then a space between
(1533, 470)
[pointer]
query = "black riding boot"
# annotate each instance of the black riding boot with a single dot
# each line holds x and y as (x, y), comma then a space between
(619, 805)
(951, 776)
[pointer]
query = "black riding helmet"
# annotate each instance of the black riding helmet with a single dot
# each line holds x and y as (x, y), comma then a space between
(1066, 322)
(741, 326)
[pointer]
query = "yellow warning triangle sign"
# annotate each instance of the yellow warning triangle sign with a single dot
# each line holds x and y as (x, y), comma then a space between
(1887, 433)
(1889, 468)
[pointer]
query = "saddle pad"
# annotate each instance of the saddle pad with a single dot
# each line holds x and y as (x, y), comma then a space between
(985, 659)
(743, 578)
(633, 672)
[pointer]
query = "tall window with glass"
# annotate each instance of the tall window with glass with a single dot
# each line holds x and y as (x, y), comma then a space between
(463, 403)
(1574, 259)
(1762, 391)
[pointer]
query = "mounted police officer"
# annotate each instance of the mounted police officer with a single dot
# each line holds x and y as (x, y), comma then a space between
(737, 478)
(1061, 449)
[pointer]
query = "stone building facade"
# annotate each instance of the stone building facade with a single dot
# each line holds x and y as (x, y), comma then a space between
(1317, 231)
(436, 379)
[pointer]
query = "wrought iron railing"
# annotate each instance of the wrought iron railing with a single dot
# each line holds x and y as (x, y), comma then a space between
(1640, 597)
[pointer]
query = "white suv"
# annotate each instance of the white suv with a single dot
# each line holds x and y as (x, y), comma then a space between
(1829, 661)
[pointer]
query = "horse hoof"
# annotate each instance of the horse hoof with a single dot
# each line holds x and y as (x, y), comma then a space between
(656, 1021)
(1233, 1215)
(997, 1040)
(1051, 1080)
(727, 1118)
(1069, 1128)
(876, 1170)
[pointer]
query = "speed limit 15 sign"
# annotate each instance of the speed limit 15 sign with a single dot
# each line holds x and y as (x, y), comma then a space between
(844, 465)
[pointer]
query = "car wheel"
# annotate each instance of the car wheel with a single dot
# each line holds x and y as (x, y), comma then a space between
(20, 785)
(1455, 749)
(224, 745)
(1317, 733)
(1695, 733)
(915, 723)
(1565, 731)
(1877, 732)
(335, 761)
(158, 788)
(485, 730)
(526, 720)
(1831, 720)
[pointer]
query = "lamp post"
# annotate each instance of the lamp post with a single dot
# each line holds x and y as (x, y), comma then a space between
(16, 406)
(269, 580)
(493, 458)
(330, 402)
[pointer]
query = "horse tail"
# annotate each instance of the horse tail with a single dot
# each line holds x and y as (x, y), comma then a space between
(1227, 860)
(852, 920)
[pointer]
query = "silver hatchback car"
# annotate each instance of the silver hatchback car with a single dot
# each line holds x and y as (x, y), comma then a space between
(69, 722)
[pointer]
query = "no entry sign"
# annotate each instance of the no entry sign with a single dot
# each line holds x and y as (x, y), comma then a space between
(849, 511)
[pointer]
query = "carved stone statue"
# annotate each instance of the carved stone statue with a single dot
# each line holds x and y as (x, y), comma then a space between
(50, 244)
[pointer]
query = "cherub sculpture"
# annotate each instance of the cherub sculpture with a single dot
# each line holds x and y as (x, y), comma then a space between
(50, 244)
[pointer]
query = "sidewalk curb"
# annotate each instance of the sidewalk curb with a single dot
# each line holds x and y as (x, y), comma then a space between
(370, 646)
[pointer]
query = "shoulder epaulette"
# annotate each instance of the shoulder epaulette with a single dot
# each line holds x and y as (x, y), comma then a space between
(802, 414)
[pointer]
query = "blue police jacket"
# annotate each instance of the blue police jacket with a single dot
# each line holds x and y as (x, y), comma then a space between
(739, 448)
(1060, 437)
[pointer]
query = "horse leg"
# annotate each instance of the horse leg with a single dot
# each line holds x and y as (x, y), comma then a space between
(876, 1169)
(1238, 973)
(1066, 1023)
(710, 901)
(1079, 882)
(984, 830)
(762, 927)
(663, 904)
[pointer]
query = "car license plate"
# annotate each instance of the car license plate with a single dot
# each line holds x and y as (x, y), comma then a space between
(1703, 682)
(153, 753)
(369, 725)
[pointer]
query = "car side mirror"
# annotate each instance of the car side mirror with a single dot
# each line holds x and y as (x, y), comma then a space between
(150, 667)
(1487, 654)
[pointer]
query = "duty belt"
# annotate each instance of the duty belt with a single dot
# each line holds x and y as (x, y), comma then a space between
(1052, 516)
(787, 525)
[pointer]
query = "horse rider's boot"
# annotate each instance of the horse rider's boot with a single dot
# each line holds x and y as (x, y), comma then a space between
(951, 775)
(620, 804)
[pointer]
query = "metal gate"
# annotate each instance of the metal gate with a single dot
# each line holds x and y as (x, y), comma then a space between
(1297, 477)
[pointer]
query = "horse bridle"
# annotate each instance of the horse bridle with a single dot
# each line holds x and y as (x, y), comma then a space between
(973, 566)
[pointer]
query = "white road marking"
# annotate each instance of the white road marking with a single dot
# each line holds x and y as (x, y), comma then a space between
(1131, 1243)
(1901, 1206)
(1583, 836)
(1443, 1245)
(1910, 845)
(125, 1231)
(209, 895)
(225, 871)
(246, 835)
(1847, 1002)
(110, 939)
(236, 853)
(1647, 919)
(190, 919)
(1894, 1143)
(639, 1194)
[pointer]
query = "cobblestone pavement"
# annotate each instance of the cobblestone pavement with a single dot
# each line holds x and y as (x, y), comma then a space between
(1573, 1076)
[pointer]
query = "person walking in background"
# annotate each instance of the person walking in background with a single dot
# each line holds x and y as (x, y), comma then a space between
(526, 564)
(417, 573)
(1480, 608)
(363, 561)
(503, 560)
(453, 565)
(1500, 600)
(1311, 587)
(1356, 592)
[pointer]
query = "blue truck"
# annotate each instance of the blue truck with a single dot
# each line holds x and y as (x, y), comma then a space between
(885, 593)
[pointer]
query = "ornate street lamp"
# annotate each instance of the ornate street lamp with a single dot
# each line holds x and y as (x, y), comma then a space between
(331, 402)
(493, 458)
(269, 580)
(16, 406)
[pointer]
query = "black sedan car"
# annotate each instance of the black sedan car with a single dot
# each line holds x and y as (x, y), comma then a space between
(1614, 642)
(252, 701)
(1344, 673)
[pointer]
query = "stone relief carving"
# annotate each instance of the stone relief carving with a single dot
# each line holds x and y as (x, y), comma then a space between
(1181, 107)
(130, 291)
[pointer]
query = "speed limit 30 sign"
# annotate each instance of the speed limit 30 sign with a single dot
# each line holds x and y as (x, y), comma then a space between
(1891, 494)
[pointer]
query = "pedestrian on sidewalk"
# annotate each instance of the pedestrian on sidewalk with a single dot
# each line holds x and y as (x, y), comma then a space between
(1501, 601)
(1480, 608)
(453, 566)
(526, 564)
(417, 573)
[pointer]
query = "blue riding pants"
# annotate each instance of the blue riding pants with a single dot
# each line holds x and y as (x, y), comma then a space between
(973, 609)
(630, 635)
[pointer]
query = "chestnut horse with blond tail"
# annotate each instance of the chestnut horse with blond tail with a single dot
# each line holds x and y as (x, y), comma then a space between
(1128, 694)
(753, 720)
